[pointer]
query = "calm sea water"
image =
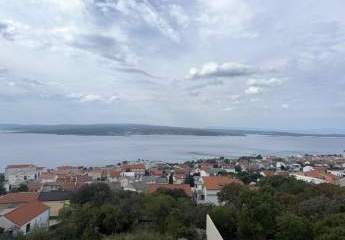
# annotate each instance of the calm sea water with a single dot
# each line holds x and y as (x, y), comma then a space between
(53, 150)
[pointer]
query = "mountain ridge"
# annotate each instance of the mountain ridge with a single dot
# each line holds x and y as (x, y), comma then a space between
(123, 129)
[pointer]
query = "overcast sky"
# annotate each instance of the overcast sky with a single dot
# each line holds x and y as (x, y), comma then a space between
(223, 63)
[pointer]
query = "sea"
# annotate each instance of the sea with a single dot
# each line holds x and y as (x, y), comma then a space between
(49, 150)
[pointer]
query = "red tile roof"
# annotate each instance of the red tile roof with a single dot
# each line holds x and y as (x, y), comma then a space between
(114, 173)
(34, 186)
(151, 188)
(321, 174)
(26, 212)
(137, 166)
(156, 172)
(21, 197)
(19, 166)
(218, 182)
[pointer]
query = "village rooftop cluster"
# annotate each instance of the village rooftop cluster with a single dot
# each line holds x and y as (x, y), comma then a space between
(37, 194)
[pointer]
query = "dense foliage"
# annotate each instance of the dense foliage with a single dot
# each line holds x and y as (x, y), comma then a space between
(2, 183)
(281, 208)
(97, 213)
(278, 208)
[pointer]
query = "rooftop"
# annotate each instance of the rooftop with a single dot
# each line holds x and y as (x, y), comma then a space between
(20, 166)
(26, 212)
(54, 196)
(218, 182)
(20, 197)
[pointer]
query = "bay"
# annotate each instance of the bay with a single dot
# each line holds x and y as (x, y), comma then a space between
(49, 150)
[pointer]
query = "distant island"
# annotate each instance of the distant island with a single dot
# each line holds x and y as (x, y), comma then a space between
(142, 129)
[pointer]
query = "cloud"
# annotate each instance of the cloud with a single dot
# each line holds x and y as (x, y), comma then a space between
(285, 106)
(90, 98)
(139, 13)
(252, 90)
(223, 18)
(178, 14)
(224, 70)
(3, 71)
(6, 31)
(138, 71)
(14, 88)
(258, 86)
(151, 16)
(106, 46)
(264, 82)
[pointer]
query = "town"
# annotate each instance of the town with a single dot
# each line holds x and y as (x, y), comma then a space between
(33, 196)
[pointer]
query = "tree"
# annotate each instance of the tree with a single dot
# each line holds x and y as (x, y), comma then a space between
(171, 178)
(231, 194)
(320, 206)
(225, 218)
(257, 215)
(22, 188)
(292, 227)
(330, 228)
(189, 179)
(238, 168)
(175, 193)
(2, 183)
(97, 193)
(36, 234)
(141, 235)
(157, 209)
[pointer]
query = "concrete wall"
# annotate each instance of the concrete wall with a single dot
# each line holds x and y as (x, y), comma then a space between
(41, 221)
(211, 196)
(55, 207)
(16, 176)
(212, 232)
(5, 223)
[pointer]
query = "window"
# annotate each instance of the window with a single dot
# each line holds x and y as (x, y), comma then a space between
(28, 227)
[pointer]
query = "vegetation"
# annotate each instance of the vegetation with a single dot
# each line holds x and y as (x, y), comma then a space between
(97, 213)
(278, 208)
(2, 183)
(281, 208)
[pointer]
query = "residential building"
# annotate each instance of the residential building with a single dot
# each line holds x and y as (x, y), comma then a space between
(55, 201)
(25, 217)
(113, 175)
(207, 188)
(12, 200)
(18, 174)
(308, 179)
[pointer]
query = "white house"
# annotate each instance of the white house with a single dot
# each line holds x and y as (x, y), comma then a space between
(25, 217)
(308, 179)
(338, 173)
(308, 168)
(207, 188)
(21, 173)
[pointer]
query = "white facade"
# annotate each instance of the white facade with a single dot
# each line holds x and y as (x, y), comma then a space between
(308, 179)
(6, 224)
(14, 176)
(204, 195)
(40, 221)
(308, 169)
(211, 196)
(337, 173)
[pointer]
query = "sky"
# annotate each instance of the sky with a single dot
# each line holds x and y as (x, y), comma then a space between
(199, 63)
